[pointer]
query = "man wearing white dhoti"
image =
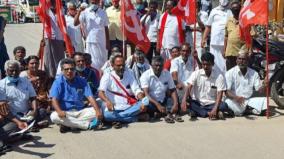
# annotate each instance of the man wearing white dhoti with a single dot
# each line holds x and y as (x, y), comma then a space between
(241, 82)
(74, 32)
(96, 23)
(216, 25)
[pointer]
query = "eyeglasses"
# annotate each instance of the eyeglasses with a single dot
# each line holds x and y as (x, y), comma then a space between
(69, 69)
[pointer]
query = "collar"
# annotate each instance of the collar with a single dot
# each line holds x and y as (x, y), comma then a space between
(152, 74)
(240, 72)
(212, 75)
(116, 76)
(117, 9)
(11, 83)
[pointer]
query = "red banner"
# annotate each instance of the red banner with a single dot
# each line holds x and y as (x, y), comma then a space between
(131, 26)
(186, 9)
(62, 26)
(42, 11)
(254, 12)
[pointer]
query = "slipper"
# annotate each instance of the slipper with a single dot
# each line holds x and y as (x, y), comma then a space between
(116, 125)
(169, 119)
(178, 118)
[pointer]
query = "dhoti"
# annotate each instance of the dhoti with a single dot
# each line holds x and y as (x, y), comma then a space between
(219, 61)
(98, 53)
(257, 103)
(53, 53)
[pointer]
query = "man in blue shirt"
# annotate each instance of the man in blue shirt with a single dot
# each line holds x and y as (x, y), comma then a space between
(86, 73)
(68, 92)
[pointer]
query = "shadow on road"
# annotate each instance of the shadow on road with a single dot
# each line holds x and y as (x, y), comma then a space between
(34, 143)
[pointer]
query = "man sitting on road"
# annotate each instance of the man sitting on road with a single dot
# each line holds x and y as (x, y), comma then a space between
(67, 93)
(207, 86)
(86, 73)
(19, 93)
(139, 65)
(181, 69)
(241, 82)
(156, 82)
(117, 90)
(9, 124)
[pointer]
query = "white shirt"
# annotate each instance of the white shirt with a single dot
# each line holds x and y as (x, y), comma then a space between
(242, 85)
(217, 20)
(129, 82)
(184, 70)
(55, 31)
(17, 95)
(95, 23)
(157, 86)
(151, 27)
(171, 33)
(74, 33)
(205, 88)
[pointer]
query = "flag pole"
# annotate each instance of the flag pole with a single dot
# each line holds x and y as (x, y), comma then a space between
(194, 34)
(123, 28)
(267, 63)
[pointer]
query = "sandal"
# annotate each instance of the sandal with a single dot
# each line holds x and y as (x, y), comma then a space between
(116, 125)
(169, 119)
(178, 118)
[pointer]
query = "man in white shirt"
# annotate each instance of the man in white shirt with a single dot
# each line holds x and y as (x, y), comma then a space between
(216, 25)
(181, 69)
(156, 82)
(119, 92)
(96, 22)
(241, 82)
(170, 31)
(207, 86)
(74, 32)
(151, 21)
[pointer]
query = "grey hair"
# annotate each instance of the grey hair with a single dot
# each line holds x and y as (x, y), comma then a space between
(12, 62)
(71, 4)
(115, 56)
(66, 61)
(159, 59)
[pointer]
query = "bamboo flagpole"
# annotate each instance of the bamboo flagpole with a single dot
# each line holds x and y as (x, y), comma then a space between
(194, 33)
(123, 28)
(267, 61)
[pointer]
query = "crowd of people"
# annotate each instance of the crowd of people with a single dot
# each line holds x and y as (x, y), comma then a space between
(98, 85)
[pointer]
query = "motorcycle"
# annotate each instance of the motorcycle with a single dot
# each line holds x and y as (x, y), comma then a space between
(276, 66)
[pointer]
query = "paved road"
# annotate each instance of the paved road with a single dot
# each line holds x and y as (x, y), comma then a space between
(230, 139)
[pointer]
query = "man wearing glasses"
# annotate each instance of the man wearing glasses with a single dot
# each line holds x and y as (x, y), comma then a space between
(67, 93)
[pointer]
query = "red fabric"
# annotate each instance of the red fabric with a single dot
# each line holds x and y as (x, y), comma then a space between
(62, 26)
(167, 64)
(42, 11)
(162, 29)
(187, 10)
(131, 26)
(254, 12)
(131, 100)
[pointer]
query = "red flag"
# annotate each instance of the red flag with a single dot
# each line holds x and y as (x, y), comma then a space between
(186, 9)
(254, 12)
(62, 26)
(42, 11)
(131, 26)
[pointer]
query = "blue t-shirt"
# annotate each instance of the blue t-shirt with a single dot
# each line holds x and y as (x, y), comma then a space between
(70, 95)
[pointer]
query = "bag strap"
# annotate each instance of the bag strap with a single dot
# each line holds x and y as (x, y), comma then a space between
(117, 93)
(120, 85)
